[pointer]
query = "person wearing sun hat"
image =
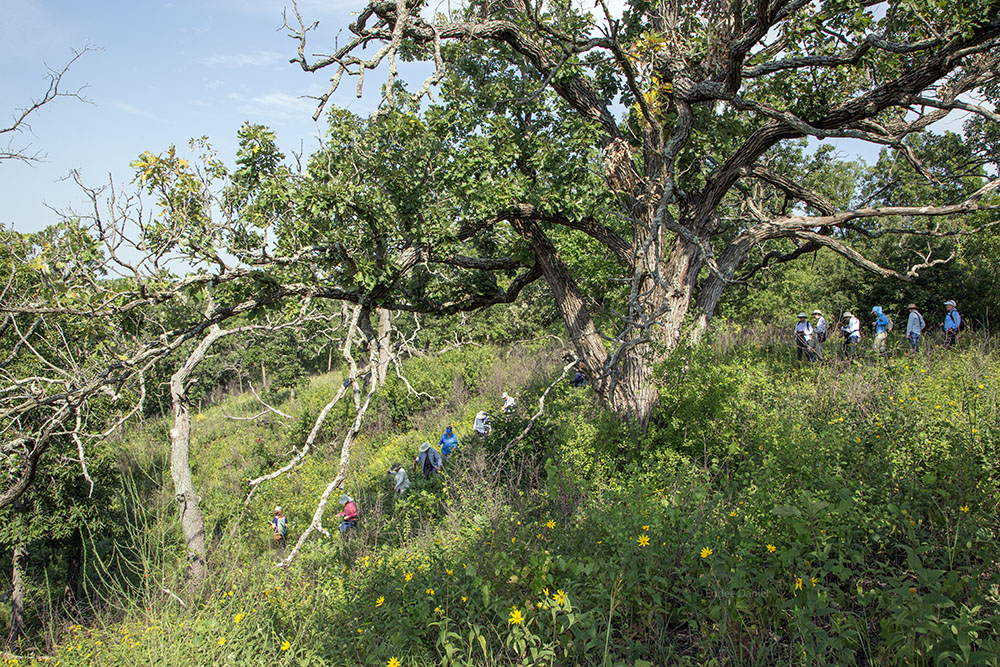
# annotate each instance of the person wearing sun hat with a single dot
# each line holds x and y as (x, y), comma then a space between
(428, 460)
(820, 331)
(915, 326)
(952, 323)
(852, 334)
(349, 515)
(803, 337)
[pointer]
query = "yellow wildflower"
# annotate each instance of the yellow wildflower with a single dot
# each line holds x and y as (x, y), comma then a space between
(551, 524)
(706, 552)
(429, 591)
(559, 597)
(380, 601)
(392, 663)
(798, 584)
(515, 617)
(238, 617)
(964, 508)
(222, 641)
(771, 548)
(285, 645)
(643, 540)
(409, 575)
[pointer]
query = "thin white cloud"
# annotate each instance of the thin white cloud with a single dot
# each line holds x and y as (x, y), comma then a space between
(133, 110)
(255, 59)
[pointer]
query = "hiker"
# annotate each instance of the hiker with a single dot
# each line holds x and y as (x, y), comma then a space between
(400, 478)
(280, 526)
(820, 330)
(803, 336)
(481, 426)
(852, 334)
(448, 442)
(915, 326)
(508, 402)
(428, 460)
(349, 514)
(579, 379)
(952, 323)
(883, 325)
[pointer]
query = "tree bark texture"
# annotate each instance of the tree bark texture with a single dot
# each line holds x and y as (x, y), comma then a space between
(17, 595)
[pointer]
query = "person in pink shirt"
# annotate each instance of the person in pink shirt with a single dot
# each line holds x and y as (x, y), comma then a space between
(349, 515)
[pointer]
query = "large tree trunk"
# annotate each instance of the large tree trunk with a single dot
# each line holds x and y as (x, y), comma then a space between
(17, 596)
(622, 378)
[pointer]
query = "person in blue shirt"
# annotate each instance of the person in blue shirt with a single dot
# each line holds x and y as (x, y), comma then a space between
(882, 326)
(448, 442)
(952, 323)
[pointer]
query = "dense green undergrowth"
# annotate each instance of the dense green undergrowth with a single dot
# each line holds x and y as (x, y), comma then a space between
(771, 514)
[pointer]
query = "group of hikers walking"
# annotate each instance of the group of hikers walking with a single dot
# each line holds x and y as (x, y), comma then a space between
(809, 337)
(428, 461)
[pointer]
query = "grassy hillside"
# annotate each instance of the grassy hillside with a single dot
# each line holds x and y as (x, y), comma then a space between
(772, 514)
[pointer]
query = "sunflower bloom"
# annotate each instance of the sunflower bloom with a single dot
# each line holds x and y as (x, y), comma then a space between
(559, 598)
(798, 584)
(285, 645)
(771, 548)
(392, 662)
(551, 524)
(643, 540)
(380, 601)
(706, 552)
(515, 617)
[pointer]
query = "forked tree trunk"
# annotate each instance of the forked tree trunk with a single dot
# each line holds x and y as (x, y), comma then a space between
(17, 596)
(622, 371)
(188, 501)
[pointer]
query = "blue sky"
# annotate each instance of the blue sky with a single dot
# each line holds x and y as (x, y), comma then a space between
(165, 72)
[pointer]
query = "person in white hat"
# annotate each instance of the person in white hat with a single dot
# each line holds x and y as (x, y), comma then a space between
(428, 460)
(915, 326)
(349, 515)
(819, 329)
(952, 323)
(508, 402)
(852, 334)
(803, 337)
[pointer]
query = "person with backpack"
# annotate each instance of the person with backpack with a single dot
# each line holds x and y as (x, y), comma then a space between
(428, 460)
(883, 325)
(279, 524)
(952, 324)
(915, 326)
(400, 478)
(819, 330)
(803, 337)
(448, 442)
(349, 515)
(852, 334)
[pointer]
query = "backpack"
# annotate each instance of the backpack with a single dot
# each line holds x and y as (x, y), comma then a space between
(888, 324)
